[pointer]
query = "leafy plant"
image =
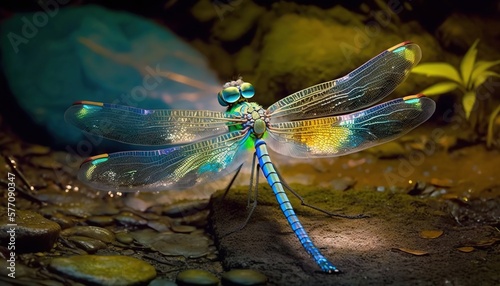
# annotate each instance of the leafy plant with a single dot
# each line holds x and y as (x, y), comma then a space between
(491, 123)
(471, 76)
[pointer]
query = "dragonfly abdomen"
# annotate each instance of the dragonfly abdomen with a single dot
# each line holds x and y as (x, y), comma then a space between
(274, 181)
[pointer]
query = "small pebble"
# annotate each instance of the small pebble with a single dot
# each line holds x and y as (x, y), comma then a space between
(160, 225)
(124, 237)
(238, 277)
(175, 244)
(88, 244)
(129, 219)
(183, 228)
(162, 282)
(192, 277)
(95, 232)
(106, 209)
(63, 221)
(105, 270)
(100, 220)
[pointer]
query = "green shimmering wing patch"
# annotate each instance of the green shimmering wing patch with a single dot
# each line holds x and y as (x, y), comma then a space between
(344, 134)
(148, 127)
(166, 169)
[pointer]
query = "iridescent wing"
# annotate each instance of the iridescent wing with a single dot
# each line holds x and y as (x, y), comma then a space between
(175, 168)
(344, 134)
(147, 127)
(363, 87)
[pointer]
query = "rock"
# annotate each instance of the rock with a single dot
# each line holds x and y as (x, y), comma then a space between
(241, 21)
(89, 52)
(33, 232)
(204, 11)
(190, 246)
(238, 277)
(105, 209)
(183, 228)
(100, 220)
(95, 232)
(160, 225)
(124, 237)
(105, 270)
(88, 244)
(193, 277)
(162, 282)
(342, 184)
(63, 221)
(287, 64)
(130, 219)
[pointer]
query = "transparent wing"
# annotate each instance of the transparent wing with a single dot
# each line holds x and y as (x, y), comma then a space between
(175, 168)
(344, 134)
(147, 127)
(363, 87)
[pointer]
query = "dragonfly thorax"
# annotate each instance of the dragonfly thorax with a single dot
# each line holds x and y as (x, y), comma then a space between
(254, 117)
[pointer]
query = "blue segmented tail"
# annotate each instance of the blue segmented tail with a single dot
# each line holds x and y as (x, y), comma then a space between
(274, 181)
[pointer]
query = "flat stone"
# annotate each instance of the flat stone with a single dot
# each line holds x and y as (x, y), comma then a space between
(196, 277)
(183, 228)
(243, 277)
(129, 219)
(95, 232)
(124, 237)
(100, 220)
(33, 232)
(105, 270)
(88, 244)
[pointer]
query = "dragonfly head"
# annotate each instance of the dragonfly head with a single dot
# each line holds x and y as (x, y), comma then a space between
(235, 91)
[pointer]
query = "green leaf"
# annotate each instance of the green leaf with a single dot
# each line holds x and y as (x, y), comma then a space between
(482, 66)
(467, 63)
(481, 78)
(438, 69)
(440, 88)
(491, 124)
(468, 102)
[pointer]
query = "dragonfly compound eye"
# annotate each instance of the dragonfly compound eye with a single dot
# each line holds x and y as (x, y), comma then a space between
(247, 90)
(230, 94)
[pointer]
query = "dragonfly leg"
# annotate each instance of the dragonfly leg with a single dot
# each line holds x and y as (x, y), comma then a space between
(253, 193)
(232, 181)
(303, 202)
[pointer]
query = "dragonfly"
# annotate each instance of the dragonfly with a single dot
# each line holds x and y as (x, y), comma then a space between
(329, 119)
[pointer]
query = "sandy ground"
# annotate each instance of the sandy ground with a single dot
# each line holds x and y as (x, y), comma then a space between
(365, 250)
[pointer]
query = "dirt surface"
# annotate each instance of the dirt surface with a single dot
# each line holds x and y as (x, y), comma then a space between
(365, 250)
